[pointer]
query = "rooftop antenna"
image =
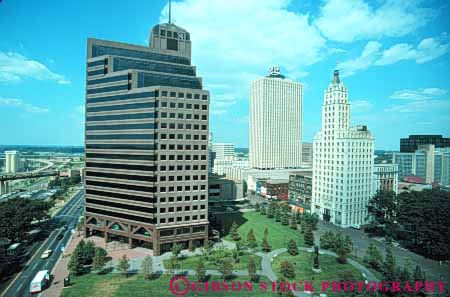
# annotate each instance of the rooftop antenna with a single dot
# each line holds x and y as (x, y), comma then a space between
(170, 12)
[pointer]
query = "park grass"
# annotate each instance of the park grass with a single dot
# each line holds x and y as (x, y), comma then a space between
(331, 270)
(278, 236)
(113, 285)
(191, 262)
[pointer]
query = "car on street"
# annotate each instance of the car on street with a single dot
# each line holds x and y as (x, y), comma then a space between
(46, 254)
(60, 236)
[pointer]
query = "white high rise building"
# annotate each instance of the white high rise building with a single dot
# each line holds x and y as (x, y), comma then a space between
(275, 122)
(343, 162)
(223, 150)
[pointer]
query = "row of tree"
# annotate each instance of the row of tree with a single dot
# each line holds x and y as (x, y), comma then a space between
(336, 242)
(18, 215)
(419, 220)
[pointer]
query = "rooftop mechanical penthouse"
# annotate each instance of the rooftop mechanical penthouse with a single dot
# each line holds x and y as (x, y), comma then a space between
(146, 142)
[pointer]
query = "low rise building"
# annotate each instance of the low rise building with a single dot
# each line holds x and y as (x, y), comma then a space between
(275, 188)
(385, 177)
(221, 189)
(300, 190)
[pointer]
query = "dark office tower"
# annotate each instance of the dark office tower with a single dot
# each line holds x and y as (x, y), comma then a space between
(410, 145)
(146, 142)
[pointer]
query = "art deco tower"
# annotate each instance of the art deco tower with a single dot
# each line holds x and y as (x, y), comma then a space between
(342, 162)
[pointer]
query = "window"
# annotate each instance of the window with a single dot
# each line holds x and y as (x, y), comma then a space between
(196, 96)
(180, 95)
(189, 96)
(164, 93)
(163, 33)
(180, 105)
(173, 94)
(172, 44)
(204, 97)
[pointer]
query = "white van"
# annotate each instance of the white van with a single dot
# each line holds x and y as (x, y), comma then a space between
(39, 282)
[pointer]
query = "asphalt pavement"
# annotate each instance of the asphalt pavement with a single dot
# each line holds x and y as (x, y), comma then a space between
(69, 215)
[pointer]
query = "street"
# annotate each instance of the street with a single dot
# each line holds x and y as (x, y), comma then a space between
(69, 215)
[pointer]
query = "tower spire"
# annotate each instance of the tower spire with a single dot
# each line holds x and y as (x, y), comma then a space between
(170, 12)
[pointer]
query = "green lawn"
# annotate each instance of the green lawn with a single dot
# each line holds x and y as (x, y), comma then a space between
(278, 236)
(331, 270)
(191, 262)
(93, 285)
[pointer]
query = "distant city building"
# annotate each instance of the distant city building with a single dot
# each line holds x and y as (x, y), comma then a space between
(307, 154)
(211, 154)
(427, 162)
(275, 122)
(223, 150)
(385, 177)
(146, 142)
(12, 161)
(411, 144)
(224, 190)
(342, 163)
(275, 188)
(221, 166)
(300, 190)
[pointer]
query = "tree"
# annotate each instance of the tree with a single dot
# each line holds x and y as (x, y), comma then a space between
(266, 232)
(292, 247)
(99, 260)
(200, 270)
(263, 211)
(251, 239)
(176, 249)
(311, 220)
(343, 248)
(271, 210)
(287, 269)
(277, 214)
(293, 223)
(88, 252)
(257, 207)
(266, 247)
(234, 233)
(285, 219)
(418, 274)
(308, 236)
(373, 257)
(251, 267)
(328, 240)
(147, 267)
(226, 268)
(298, 217)
(123, 265)
(382, 211)
(389, 265)
(75, 265)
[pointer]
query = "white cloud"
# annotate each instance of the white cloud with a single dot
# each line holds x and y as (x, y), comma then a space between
(361, 106)
(373, 55)
(22, 105)
(427, 50)
(346, 21)
(421, 106)
(364, 61)
(419, 94)
(236, 41)
(14, 67)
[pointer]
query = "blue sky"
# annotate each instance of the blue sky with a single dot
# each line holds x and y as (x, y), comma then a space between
(393, 56)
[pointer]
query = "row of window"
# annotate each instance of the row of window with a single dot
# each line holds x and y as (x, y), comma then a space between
(187, 116)
(180, 147)
(179, 219)
(123, 97)
(122, 127)
(120, 136)
(101, 50)
(121, 176)
(121, 196)
(120, 64)
(120, 166)
(182, 105)
(182, 188)
(108, 89)
(176, 168)
(172, 34)
(181, 95)
(122, 206)
(183, 136)
(146, 79)
(120, 156)
(132, 116)
(121, 186)
(108, 79)
(121, 215)
(121, 146)
(121, 107)
(180, 208)
(180, 198)
(186, 167)
(181, 157)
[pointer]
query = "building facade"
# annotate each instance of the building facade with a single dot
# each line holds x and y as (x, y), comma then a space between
(385, 177)
(307, 154)
(342, 163)
(300, 190)
(275, 122)
(224, 190)
(431, 164)
(411, 144)
(223, 150)
(146, 142)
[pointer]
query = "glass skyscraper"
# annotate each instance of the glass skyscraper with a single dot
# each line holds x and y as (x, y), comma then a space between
(146, 142)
